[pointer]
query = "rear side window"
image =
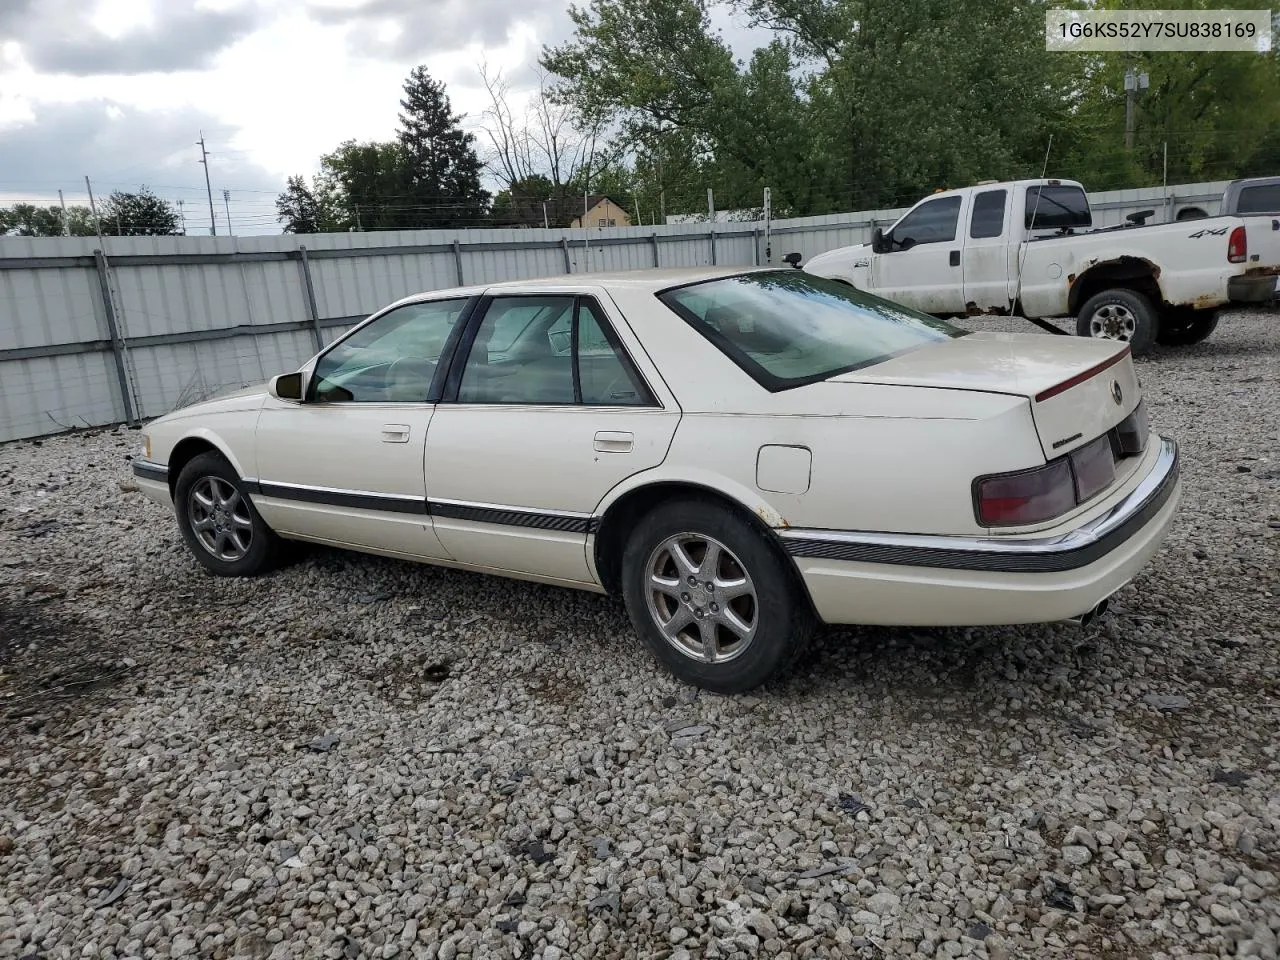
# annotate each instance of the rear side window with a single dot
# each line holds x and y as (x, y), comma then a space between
(934, 221)
(988, 214)
(1056, 207)
(1264, 198)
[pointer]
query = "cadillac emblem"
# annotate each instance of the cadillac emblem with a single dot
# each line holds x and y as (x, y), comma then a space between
(1116, 393)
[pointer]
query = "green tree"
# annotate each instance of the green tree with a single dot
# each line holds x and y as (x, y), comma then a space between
(139, 214)
(299, 208)
(1214, 115)
(29, 220)
(443, 171)
(855, 104)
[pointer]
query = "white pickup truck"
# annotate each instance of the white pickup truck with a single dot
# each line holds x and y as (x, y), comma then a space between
(1027, 248)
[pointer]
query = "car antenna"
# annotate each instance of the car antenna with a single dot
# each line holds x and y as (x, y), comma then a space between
(1026, 241)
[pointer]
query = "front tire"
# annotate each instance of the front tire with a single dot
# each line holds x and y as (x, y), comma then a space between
(1183, 327)
(1119, 314)
(714, 601)
(221, 528)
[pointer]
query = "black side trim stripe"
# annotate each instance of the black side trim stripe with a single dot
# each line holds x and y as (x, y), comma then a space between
(339, 498)
(150, 471)
(374, 501)
(514, 518)
(959, 559)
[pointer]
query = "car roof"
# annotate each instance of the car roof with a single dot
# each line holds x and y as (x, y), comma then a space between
(647, 280)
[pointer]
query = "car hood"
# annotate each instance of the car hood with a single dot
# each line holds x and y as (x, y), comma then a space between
(243, 398)
(1078, 387)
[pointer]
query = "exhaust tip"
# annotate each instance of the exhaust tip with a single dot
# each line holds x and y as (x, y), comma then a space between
(1086, 619)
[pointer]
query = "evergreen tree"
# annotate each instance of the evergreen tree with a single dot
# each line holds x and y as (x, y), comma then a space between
(297, 207)
(443, 169)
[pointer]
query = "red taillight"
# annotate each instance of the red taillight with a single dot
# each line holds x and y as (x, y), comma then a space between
(1043, 493)
(1031, 496)
(1094, 468)
(1237, 246)
(1131, 433)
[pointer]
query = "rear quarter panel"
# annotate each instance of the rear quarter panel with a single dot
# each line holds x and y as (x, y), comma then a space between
(885, 471)
(1189, 260)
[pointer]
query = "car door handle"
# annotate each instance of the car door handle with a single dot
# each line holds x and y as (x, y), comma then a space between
(395, 433)
(614, 441)
(955, 258)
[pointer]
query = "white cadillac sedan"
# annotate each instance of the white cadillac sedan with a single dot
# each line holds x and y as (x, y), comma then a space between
(739, 454)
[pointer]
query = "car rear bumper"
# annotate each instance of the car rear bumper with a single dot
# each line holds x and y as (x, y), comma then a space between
(892, 579)
(1253, 287)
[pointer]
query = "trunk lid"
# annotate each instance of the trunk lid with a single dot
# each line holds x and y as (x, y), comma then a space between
(1078, 388)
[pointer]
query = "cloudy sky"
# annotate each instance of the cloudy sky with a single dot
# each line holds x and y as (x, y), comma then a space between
(120, 90)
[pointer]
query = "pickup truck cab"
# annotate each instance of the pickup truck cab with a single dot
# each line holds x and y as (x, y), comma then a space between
(1028, 247)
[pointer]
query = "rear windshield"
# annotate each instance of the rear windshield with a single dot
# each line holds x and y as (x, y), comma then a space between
(1264, 198)
(787, 328)
(1057, 207)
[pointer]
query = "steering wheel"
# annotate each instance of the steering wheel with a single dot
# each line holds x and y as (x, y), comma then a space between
(408, 380)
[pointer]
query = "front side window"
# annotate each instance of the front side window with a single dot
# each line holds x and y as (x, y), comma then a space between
(392, 359)
(934, 221)
(788, 328)
(549, 350)
(988, 214)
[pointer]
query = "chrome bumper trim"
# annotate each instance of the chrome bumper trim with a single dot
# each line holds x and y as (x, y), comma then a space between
(1080, 547)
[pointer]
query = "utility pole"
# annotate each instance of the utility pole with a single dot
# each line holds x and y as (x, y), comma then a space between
(546, 224)
(66, 225)
(204, 159)
(182, 215)
(711, 205)
(226, 205)
(1133, 82)
(93, 207)
(768, 217)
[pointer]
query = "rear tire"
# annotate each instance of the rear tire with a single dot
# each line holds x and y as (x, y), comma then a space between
(746, 628)
(1119, 314)
(1181, 327)
(221, 528)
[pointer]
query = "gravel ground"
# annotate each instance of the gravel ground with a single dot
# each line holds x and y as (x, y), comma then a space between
(357, 757)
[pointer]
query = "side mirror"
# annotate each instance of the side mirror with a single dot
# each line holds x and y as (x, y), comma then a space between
(793, 259)
(286, 386)
(877, 241)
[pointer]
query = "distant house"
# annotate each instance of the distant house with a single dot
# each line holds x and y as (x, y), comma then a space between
(601, 211)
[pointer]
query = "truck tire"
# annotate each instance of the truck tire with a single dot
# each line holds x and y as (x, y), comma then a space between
(1119, 314)
(1183, 327)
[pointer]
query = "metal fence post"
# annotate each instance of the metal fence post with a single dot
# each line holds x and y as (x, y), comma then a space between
(311, 297)
(653, 238)
(712, 235)
(755, 246)
(564, 246)
(117, 345)
(457, 262)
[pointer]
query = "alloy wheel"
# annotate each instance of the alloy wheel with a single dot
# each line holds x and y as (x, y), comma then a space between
(220, 518)
(701, 597)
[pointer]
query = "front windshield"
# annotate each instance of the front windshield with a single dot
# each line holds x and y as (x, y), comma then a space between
(787, 328)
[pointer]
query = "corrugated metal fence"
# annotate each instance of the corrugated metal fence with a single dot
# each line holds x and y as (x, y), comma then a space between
(95, 333)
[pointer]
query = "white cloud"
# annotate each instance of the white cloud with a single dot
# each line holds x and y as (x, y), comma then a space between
(273, 84)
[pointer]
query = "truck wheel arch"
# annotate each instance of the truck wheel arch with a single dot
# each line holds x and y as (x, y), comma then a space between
(1130, 273)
